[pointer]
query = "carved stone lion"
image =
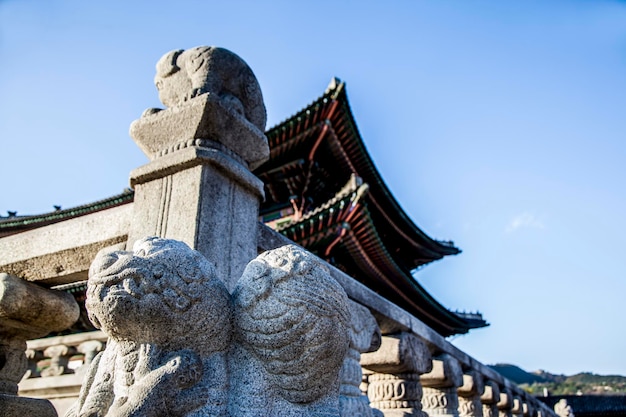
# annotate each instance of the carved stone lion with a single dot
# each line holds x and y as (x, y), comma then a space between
(169, 324)
(291, 325)
(185, 74)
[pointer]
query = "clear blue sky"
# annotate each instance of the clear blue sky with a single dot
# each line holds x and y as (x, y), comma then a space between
(497, 124)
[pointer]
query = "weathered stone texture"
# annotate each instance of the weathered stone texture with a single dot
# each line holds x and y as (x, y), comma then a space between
(394, 387)
(27, 311)
(169, 322)
(198, 187)
(212, 94)
(440, 387)
(62, 252)
(364, 337)
(291, 323)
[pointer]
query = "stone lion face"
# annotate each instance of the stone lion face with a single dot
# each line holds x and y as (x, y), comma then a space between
(148, 295)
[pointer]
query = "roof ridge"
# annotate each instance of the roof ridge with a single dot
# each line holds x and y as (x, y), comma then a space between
(335, 86)
(12, 221)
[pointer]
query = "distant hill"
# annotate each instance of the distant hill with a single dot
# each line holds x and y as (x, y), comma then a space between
(583, 383)
(517, 374)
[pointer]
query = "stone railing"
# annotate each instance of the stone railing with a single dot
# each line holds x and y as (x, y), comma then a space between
(57, 365)
(416, 371)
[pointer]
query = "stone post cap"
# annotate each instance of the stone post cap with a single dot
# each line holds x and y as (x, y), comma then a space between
(473, 384)
(400, 353)
(212, 97)
(29, 311)
(491, 394)
(446, 372)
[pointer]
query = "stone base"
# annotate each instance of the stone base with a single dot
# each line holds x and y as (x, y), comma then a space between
(203, 117)
(14, 406)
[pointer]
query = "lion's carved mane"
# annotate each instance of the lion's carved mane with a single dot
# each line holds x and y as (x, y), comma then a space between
(169, 322)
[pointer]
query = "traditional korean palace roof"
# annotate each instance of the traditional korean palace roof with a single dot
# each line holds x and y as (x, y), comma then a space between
(14, 223)
(324, 192)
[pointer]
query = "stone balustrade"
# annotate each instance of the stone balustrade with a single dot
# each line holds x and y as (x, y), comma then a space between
(57, 365)
(395, 375)
(433, 377)
(490, 398)
(506, 403)
(415, 372)
(470, 393)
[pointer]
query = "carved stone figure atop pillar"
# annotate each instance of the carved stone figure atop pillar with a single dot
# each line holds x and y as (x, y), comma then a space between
(198, 187)
(27, 311)
(490, 399)
(215, 95)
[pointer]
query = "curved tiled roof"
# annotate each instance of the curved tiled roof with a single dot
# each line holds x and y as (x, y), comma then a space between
(322, 142)
(14, 224)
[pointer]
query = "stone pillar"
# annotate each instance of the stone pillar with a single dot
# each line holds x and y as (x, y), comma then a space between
(505, 403)
(490, 399)
(27, 311)
(517, 409)
(198, 187)
(527, 408)
(440, 387)
(394, 384)
(364, 337)
(473, 387)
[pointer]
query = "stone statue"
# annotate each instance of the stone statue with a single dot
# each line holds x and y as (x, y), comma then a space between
(169, 324)
(291, 324)
(185, 74)
(214, 101)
